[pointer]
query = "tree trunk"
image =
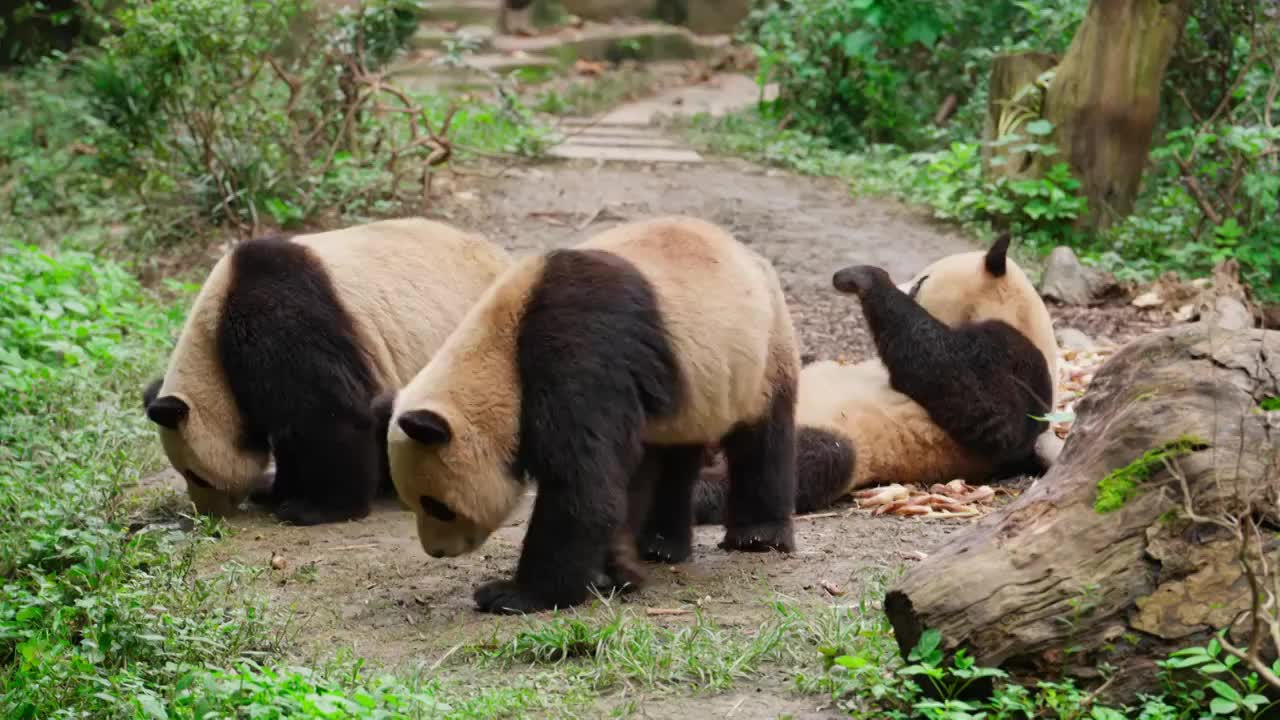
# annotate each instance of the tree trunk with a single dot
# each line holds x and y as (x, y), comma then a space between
(1105, 98)
(1058, 581)
(1012, 96)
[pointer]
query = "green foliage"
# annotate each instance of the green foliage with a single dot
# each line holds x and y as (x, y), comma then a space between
(871, 685)
(1231, 689)
(870, 71)
(199, 112)
(1123, 484)
(869, 75)
(91, 611)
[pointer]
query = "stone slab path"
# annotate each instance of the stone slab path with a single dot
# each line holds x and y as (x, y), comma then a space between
(629, 133)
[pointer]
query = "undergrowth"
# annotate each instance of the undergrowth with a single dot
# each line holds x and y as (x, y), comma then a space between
(893, 95)
(191, 114)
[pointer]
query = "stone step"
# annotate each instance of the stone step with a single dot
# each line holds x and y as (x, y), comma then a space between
(463, 12)
(430, 37)
(643, 42)
(475, 73)
(613, 141)
(572, 151)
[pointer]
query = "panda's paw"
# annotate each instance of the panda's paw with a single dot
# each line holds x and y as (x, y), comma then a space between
(669, 551)
(302, 512)
(506, 597)
(763, 537)
(859, 279)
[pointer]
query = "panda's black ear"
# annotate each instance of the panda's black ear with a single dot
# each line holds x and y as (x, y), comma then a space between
(150, 392)
(997, 256)
(426, 426)
(167, 411)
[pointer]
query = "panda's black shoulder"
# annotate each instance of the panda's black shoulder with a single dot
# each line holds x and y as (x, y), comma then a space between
(591, 339)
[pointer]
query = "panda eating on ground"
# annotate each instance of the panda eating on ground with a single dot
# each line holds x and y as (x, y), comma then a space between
(600, 372)
(285, 349)
(967, 361)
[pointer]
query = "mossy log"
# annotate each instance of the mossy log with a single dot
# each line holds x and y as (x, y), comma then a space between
(1099, 562)
(1013, 98)
(1105, 98)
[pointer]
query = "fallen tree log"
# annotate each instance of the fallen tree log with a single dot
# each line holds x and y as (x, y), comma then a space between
(1108, 559)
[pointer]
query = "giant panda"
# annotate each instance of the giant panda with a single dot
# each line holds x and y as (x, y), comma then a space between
(967, 361)
(285, 349)
(600, 372)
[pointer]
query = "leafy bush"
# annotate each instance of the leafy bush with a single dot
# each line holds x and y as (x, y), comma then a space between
(228, 112)
(867, 686)
(873, 71)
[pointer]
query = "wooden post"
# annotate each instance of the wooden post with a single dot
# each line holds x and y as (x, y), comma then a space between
(1105, 98)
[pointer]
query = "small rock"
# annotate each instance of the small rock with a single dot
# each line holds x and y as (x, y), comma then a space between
(1228, 313)
(1067, 280)
(1070, 338)
(1148, 299)
(277, 561)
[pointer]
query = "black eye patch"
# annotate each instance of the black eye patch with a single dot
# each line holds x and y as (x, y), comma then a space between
(915, 289)
(196, 480)
(438, 510)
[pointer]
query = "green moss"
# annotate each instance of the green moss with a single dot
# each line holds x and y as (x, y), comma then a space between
(1270, 404)
(1121, 485)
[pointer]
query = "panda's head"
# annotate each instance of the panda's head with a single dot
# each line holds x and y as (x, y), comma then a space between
(456, 476)
(199, 440)
(978, 286)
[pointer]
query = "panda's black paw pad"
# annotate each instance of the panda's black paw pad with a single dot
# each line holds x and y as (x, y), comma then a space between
(859, 279)
(659, 549)
(506, 597)
(762, 537)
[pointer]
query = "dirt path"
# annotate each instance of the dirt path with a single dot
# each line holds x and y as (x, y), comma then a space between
(373, 588)
(368, 586)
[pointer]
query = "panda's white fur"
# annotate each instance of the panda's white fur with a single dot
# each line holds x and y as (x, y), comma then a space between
(721, 310)
(404, 283)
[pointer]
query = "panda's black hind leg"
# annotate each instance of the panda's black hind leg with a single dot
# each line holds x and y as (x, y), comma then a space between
(327, 474)
(667, 531)
(762, 480)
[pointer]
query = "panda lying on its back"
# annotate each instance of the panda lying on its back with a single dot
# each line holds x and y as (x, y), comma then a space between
(601, 372)
(287, 344)
(967, 357)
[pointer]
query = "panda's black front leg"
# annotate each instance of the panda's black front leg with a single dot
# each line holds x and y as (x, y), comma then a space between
(328, 472)
(565, 549)
(667, 535)
(762, 479)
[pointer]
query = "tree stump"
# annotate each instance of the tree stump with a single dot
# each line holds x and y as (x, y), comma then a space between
(1014, 97)
(1100, 562)
(1105, 98)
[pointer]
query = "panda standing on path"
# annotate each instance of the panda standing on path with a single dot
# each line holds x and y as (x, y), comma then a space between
(601, 372)
(285, 348)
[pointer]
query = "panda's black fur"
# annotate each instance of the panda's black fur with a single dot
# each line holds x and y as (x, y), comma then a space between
(273, 329)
